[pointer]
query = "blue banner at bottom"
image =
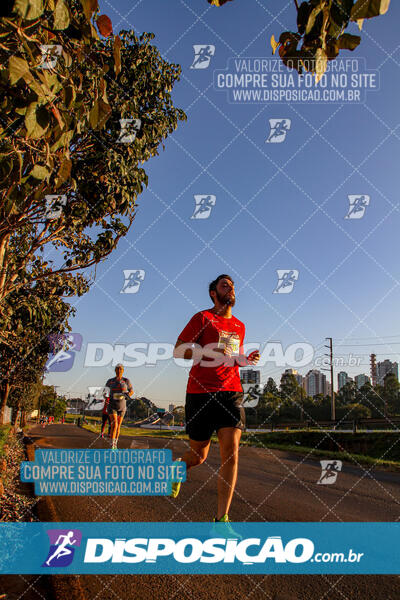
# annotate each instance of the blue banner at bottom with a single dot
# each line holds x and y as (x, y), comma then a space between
(199, 548)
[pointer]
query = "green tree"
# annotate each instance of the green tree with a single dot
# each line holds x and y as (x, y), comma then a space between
(353, 412)
(24, 398)
(50, 403)
(347, 394)
(179, 414)
(391, 395)
(372, 398)
(24, 352)
(321, 26)
(321, 408)
(271, 387)
(139, 409)
(61, 134)
(289, 388)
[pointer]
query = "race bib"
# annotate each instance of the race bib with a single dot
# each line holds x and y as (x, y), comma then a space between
(229, 339)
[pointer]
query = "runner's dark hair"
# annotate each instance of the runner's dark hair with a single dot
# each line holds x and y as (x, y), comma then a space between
(213, 285)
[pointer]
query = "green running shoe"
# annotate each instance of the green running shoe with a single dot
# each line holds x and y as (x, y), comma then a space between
(223, 528)
(176, 486)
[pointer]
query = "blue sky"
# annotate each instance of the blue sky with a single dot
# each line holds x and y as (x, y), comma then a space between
(278, 205)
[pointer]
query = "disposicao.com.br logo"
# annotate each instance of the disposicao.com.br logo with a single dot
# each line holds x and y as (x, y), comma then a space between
(200, 547)
(212, 550)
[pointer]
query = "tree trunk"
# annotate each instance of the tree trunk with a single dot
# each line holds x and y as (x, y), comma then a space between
(15, 415)
(23, 418)
(5, 390)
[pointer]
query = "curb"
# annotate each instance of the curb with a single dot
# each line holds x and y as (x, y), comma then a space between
(62, 586)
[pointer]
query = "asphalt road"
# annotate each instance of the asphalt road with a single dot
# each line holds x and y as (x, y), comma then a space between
(272, 486)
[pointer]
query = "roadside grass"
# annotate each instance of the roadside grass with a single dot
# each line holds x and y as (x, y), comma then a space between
(4, 429)
(252, 440)
(355, 459)
(139, 432)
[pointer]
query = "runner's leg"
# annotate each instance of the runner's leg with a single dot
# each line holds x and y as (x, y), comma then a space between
(114, 425)
(104, 418)
(197, 454)
(120, 418)
(229, 438)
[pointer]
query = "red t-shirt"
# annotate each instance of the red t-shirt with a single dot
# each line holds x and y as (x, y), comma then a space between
(206, 328)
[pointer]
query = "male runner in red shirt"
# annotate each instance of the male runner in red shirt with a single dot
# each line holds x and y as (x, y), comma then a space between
(214, 338)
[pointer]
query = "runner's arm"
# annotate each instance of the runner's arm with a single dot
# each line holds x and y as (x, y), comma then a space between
(130, 388)
(192, 351)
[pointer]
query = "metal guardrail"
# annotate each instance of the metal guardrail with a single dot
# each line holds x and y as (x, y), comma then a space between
(353, 425)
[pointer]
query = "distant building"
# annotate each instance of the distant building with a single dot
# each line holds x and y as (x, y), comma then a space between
(250, 376)
(316, 383)
(343, 378)
(299, 378)
(361, 380)
(76, 405)
(384, 368)
(171, 408)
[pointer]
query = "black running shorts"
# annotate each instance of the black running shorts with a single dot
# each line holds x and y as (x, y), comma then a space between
(117, 407)
(206, 413)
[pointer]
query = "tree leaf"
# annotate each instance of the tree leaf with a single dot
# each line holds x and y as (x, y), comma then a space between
(274, 44)
(94, 115)
(40, 172)
(365, 9)
(61, 15)
(18, 67)
(57, 115)
(64, 172)
(104, 25)
(89, 6)
(28, 9)
(348, 41)
(321, 61)
(36, 121)
(313, 15)
(69, 95)
(104, 113)
(117, 55)
(218, 2)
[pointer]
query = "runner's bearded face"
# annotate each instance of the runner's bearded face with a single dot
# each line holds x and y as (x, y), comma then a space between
(224, 295)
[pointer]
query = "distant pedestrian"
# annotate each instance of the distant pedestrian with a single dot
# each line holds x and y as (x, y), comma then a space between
(119, 387)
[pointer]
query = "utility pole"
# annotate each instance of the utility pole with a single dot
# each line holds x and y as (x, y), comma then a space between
(333, 411)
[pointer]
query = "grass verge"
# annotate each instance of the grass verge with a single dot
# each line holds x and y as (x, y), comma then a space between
(4, 429)
(355, 459)
(280, 441)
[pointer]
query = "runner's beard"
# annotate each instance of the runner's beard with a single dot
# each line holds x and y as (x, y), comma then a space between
(228, 299)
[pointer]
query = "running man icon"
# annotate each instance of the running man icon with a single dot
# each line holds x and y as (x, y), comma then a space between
(204, 205)
(279, 129)
(358, 205)
(133, 280)
(330, 470)
(62, 549)
(60, 552)
(286, 280)
(202, 56)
